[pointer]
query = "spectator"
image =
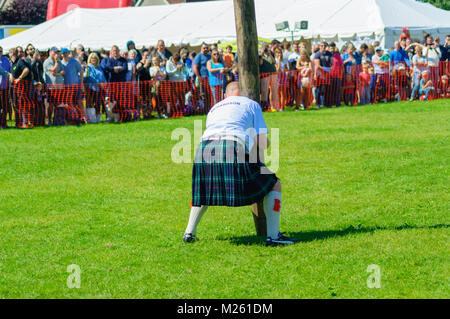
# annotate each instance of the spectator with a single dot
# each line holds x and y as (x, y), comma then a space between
(201, 71)
(158, 74)
(220, 50)
(116, 66)
(37, 70)
(228, 57)
(294, 56)
(349, 59)
(398, 55)
(275, 45)
(20, 52)
(177, 75)
(433, 56)
(286, 50)
(361, 53)
(95, 81)
(364, 85)
(381, 70)
(187, 61)
(283, 77)
(4, 89)
(442, 49)
(143, 76)
(163, 53)
(337, 73)
(405, 34)
(21, 71)
(73, 79)
(132, 46)
(426, 85)
(349, 90)
(268, 80)
(419, 64)
(323, 62)
(124, 54)
(131, 73)
(81, 55)
(216, 73)
(37, 67)
(29, 52)
(54, 78)
(304, 67)
(447, 46)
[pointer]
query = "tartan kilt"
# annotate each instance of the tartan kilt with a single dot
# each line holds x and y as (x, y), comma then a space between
(223, 176)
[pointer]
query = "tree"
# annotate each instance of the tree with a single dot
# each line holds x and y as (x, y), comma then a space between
(24, 12)
(443, 4)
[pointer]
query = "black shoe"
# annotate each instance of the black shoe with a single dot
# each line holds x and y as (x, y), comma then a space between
(281, 240)
(189, 238)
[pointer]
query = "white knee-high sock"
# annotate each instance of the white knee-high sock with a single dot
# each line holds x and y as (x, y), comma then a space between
(272, 208)
(194, 219)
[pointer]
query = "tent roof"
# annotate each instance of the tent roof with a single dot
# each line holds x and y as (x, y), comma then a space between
(194, 23)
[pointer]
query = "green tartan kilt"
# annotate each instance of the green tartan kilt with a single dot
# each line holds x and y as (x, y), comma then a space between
(224, 176)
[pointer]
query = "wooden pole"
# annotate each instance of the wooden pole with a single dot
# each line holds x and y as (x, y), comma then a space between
(248, 58)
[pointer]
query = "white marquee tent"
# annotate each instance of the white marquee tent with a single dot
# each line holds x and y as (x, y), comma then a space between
(193, 23)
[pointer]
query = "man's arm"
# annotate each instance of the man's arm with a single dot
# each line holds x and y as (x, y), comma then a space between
(262, 141)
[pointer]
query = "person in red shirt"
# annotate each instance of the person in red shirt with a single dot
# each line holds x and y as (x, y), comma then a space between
(349, 90)
(405, 33)
(364, 85)
(337, 72)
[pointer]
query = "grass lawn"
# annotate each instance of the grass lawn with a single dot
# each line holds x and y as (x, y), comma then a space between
(361, 186)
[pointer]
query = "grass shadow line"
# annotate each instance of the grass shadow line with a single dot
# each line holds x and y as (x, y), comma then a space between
(313, 235)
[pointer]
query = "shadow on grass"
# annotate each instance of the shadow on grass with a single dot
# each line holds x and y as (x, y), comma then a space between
(308, 236)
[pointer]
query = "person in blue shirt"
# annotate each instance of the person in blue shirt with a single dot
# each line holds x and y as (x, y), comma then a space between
(398, 55)
(116, 66)
(95, 81)
(120, 92)
(201, 71)
(216, 73)
(5, 68)
(73, 78)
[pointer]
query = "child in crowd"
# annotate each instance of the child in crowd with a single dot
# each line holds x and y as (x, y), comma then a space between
(228, 57)
(373, 84)
(364, 85)
(426, 86)
(158, 74)
(445, 88)
(349, 90)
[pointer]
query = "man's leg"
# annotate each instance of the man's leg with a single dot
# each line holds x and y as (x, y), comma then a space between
(194, 219)
(272, 209)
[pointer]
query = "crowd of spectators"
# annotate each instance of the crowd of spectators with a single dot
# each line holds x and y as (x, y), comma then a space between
(72, 87)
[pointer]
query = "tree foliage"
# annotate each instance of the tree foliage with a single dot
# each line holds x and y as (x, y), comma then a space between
(24, 12)
(443, 4)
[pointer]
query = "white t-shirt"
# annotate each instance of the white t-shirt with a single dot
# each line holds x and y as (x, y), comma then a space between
(294, 57)
(433, 56)
(236, 116)
(376, 67)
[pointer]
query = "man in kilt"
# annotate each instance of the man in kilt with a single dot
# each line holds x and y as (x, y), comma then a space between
(227, 170)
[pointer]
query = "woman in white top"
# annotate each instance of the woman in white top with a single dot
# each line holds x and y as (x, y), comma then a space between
(177, 74)
(419, 64)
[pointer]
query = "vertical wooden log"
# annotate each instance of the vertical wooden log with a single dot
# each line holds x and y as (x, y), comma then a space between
(247, 40)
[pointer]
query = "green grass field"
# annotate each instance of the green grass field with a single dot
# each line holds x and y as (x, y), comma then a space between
(361, 186)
